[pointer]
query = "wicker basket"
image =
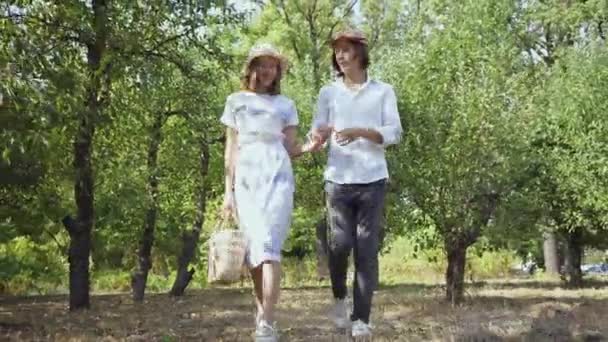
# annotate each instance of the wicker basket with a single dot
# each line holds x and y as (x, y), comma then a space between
(226, 258)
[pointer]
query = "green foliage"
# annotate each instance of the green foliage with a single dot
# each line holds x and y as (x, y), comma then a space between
(29, 267)
(459, 96)
(571, 140)
(500, 100)
(403, 263)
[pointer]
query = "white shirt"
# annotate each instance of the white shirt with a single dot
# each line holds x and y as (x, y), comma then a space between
(374, 106)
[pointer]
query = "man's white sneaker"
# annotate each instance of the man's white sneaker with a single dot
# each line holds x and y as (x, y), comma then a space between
(339, 314)
(266, 332)
(361, 329)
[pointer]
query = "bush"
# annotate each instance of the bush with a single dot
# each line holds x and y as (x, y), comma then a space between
(27, 267)
(403, 264)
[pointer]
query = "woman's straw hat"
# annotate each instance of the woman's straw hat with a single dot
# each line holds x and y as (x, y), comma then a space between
(268, 50)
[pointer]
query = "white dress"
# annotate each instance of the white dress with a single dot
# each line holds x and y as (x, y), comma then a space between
(264, 181)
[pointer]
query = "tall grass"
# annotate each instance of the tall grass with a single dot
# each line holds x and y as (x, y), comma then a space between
(400, 265)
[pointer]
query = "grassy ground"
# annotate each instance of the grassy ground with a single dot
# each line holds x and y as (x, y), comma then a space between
(495, 311)
(408, 307)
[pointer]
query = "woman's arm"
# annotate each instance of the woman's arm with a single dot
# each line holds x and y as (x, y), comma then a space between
(230, 157)
(292, 146)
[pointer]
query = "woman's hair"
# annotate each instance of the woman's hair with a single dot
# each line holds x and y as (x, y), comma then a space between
(249, 82)
(362, 54)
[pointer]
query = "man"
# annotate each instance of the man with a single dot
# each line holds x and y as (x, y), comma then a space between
(358, 117)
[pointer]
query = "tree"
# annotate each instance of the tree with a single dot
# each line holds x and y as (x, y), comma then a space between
(60, 28)
(49, 42)
(176, 80)
(570, 138)
(319, 20)
(552, 30)
(459, 92)
(386, 22)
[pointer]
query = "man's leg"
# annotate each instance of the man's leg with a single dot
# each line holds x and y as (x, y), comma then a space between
(340, 236)
(370, 200)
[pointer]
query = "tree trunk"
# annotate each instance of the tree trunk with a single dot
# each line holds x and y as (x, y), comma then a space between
(315, 54)
(574, 257)
(550, 254)
(78, 258)
(140, 277)
(190, 239)
(315, 58)
(454, 277)
(80, 229)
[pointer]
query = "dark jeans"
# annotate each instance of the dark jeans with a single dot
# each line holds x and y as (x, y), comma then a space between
(355, 219)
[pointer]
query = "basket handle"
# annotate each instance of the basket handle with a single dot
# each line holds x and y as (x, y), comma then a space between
(224, 223)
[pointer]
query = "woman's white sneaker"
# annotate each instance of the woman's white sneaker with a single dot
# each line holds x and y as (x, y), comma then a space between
(266, 332)
(339, 314)
(361, 329)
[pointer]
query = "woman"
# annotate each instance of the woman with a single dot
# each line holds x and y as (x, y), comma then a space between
(261, 138)
(361, 117)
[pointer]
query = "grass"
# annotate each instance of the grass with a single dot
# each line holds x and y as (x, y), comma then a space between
(396, 267)
(494, 311)
(408, 306)
(400, 265)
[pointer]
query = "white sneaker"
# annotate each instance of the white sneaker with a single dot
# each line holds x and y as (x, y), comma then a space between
(266, 332)
(361, 329)
(339, 314)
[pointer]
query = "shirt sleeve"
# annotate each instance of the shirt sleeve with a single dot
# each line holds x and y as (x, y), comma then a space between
(291, 115)
(390, 129)
(228, 117)
(322, 111)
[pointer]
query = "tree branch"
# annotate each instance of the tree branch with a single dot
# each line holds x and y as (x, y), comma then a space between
(294, 44)
(173, 38)
(298, 7)
(347, 11)
(70, 33)
(183, 67)
(61, 247)
(312, 10)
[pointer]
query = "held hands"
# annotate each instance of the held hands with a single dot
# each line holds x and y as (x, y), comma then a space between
(343, 137)
(317, 138)
(322, 133)
(312, 145)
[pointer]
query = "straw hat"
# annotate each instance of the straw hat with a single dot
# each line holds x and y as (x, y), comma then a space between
(352, 35)
(268, 50)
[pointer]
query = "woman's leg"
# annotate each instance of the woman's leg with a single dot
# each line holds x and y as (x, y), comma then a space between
(271, 275)
(258, 285)
(266, 286)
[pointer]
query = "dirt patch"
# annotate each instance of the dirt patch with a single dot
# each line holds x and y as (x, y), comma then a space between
(401, 313)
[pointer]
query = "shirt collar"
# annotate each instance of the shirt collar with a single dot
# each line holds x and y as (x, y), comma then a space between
(367, 83)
